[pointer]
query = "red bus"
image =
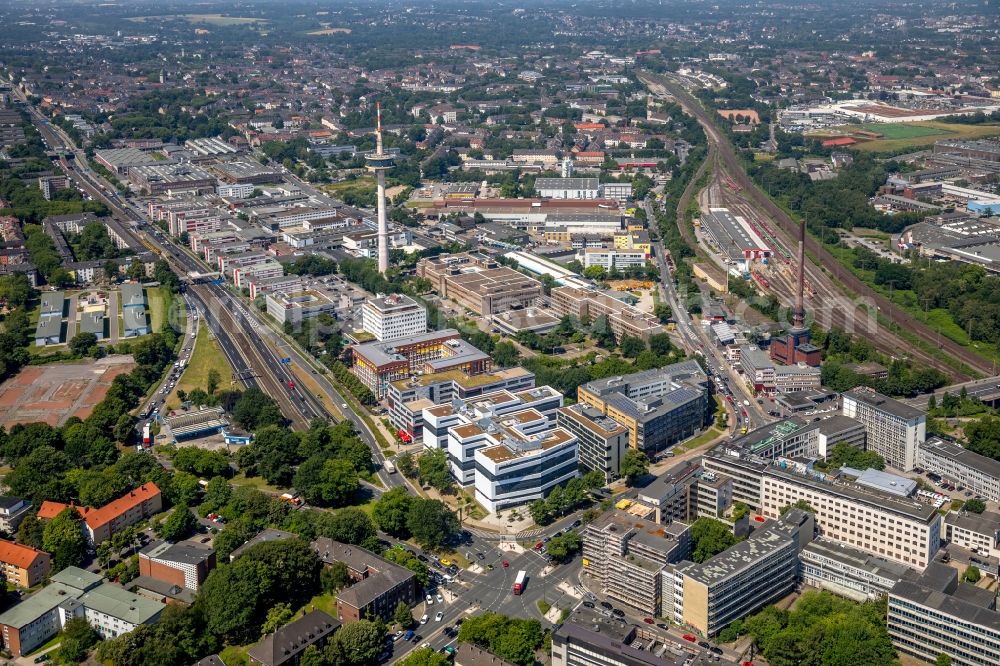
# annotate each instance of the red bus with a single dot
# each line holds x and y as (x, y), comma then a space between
(519, 582)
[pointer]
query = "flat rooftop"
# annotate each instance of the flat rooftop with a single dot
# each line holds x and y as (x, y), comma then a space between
(885, 404)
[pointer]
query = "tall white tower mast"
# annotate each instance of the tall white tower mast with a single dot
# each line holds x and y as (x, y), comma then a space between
(379, 162)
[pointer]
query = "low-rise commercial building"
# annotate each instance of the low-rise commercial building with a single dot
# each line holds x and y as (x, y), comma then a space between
(613, 259)
(979, 533)
(296, 306)
(936, 614)
(161, 178)
(377, 364)
(658, 407)
(955, 463)
(849, 572)
(480, 284)
(588, 304)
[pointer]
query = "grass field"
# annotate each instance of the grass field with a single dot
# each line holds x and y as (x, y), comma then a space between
(903, 136)
(900, 130)
(364, 182)
(213, 19)
(329, 31)
(157, 308)
(205, 356)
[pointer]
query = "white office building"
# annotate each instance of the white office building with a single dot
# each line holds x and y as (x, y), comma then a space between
(608, 258)
(894, 429)
(392, 317)
(951, 461)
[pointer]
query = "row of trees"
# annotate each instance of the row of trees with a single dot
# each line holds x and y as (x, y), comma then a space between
(565, 499)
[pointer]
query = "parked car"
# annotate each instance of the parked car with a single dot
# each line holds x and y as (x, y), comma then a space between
(588, 604)
(423, 619)
(439, 616)
(606, 605)
(618, 612)
(429, 599)
(689, 637)
(704, 644)
(648, 620)
(439, 598)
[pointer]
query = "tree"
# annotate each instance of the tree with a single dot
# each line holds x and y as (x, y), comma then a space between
(277, 616)
(391, 511)
(663, 312)
(75, 641)
(562, 547)
(327, 481)
(942, 660)
(631, 346)
(800, 504)
(431, 523)
(63, 539)
(179, 525)
(709, 537)
(360, 642)
(335, 577)
(256, 409)
(975, 506)
(433, 469)
(505, 354)
(348, 525)
(404, 463)
(510, 638)
(212, 381)
(634, 464)
(83, 343)
(972, 574)
(402, 615)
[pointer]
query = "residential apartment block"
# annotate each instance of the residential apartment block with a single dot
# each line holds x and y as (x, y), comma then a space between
(937, 614)
(659, 407)
(895, 430)
(22, 565)
(626, 555)
(378, 584)
(392, 317)
(12, 512)
(100, 524)
(285, 646)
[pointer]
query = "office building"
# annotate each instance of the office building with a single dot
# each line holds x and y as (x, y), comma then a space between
(659, 407)
(673, 494)
(408, 398)
(602, 441)
(377, 587)
(478, 283)
(588, 305)
(377, 364)
(234, 191)
(739, 581)
(22, 565)
(285, 646)
(979, 533)
(100, 524)
(518, 464)
(185, 564)
(951, 461)
(769, 377)
(894, 429)
(936, 614)
(297, 306)
(899, 529)
(392, 317)
(613, 259)
(625, 556)
(849, 572)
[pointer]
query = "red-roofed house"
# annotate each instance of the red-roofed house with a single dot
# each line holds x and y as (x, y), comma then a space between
(839, 141)
(23, 565)
(114, 516)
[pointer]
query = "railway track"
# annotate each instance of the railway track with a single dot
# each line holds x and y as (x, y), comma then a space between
(829, 273)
